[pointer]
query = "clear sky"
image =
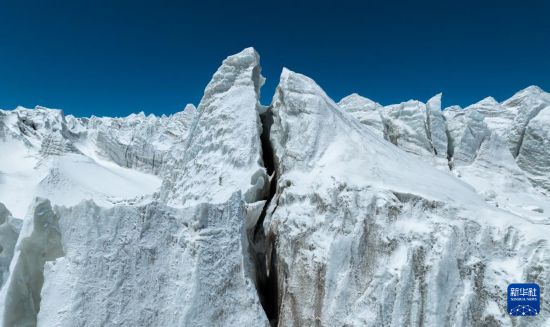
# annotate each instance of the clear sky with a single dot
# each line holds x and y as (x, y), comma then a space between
(117, 57)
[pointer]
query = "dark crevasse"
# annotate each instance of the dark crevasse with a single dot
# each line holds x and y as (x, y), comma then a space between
(260, 243)
(450, 146)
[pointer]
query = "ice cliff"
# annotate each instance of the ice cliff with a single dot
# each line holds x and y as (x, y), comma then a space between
(305, 212)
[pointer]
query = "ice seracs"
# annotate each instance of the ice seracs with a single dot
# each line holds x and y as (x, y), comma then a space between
(498, 118)
(467, 131)
(364, 235)
(365, 110)
(455, 136)
(139, 141)
(530, 124)
(304, 212)
(528, 103)
(39, 241)
(415, 127)
(181, 258)
(173, 267)
(534, 153)
(63, 159)
(9, 232)
(217, 162)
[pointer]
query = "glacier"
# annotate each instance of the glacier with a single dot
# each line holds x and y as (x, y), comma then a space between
(303, 212)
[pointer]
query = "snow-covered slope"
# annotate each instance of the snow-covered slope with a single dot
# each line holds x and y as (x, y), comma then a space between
(305, 212)
(67, 159)
(413, 126)
(141, 259)
(368, 235)
(459, 137)
(137, 141)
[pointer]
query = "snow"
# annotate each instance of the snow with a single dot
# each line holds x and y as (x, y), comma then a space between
(216, 164)
(415, 127)
(534, 154)
(305, 212)
(368, 160)
(163, 271)
(498, 118)
(9, 232)
(108, 229)
(344, 192)
(365, 110)
(19, 176)
(73, 178)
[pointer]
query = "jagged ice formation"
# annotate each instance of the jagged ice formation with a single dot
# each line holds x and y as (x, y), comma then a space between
(306, 212)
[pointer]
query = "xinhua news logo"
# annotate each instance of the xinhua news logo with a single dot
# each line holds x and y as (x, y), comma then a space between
(523, 300)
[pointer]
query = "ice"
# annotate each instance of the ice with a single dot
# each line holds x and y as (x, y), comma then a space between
(304, 212)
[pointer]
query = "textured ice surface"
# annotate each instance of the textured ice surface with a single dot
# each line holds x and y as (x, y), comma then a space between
(415, 127)
(364, 235)
(58, 158)
(534, 153)
(365, 110)
(305, 212)
(166, 270)
(38, 242)
(223, 152)
(9, 232)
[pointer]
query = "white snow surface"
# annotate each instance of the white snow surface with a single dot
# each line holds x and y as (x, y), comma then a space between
(218, 162)
(306, 212)
(164, 271)
(67, 159)
(366, 234)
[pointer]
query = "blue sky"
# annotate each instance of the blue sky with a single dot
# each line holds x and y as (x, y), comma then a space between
(117, 57)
